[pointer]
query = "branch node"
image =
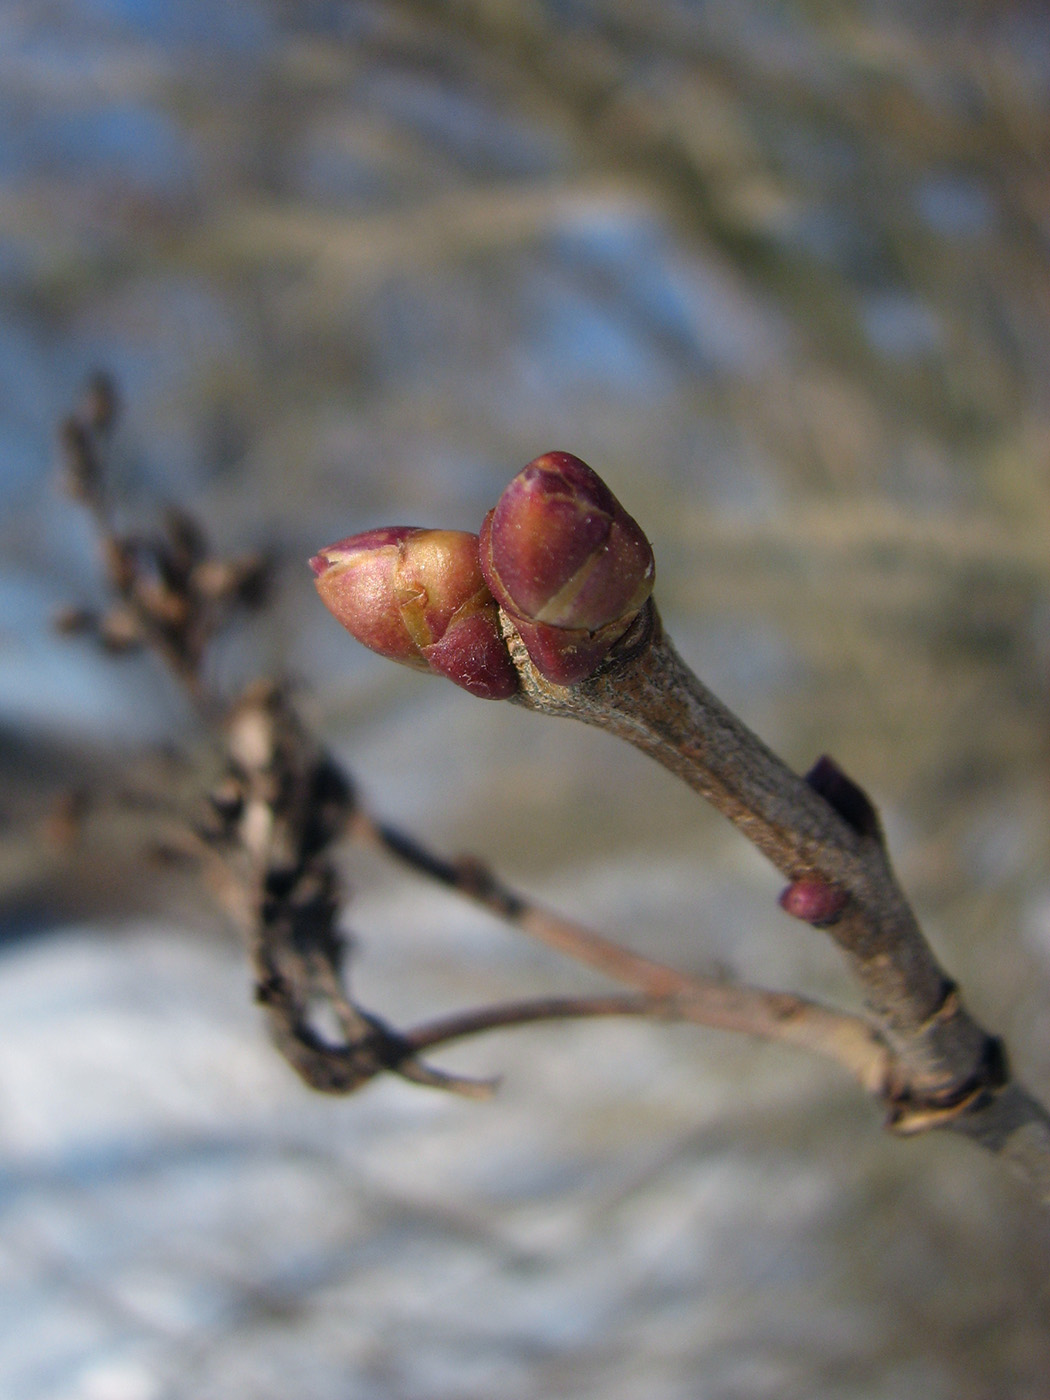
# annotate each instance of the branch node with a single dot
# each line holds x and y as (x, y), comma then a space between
(910, 1114)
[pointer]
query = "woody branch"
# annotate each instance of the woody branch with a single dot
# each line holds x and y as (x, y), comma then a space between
(266, 836)
(572, 573)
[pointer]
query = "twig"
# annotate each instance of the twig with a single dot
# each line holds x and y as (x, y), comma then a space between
(947, 1071)
(169, 592)
(849, 1041)
(461, 1024)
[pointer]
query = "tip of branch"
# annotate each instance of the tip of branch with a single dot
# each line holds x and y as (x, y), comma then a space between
(463, 1085)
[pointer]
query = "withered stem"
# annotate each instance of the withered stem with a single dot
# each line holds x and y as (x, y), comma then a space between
(849, 1041)
(477, 1020)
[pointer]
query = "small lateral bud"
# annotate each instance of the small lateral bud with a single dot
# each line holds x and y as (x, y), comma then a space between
(567, 563)
(120, 631)
(120, 561)
(244, 579)
(72, 621)
(100, 403)
(418, 597)
(848, 799)
(184, 546)
(81, 473)
(814, 901)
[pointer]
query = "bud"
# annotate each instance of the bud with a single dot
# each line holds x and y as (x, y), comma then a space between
(120, 630)
(418, 597)
(72, 621)
(848, 799)
(814, 901)
(567, 563)
(100, 403)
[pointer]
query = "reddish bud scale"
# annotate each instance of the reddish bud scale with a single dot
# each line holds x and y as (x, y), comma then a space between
(814, 901)
(418, 597)
(567, 563)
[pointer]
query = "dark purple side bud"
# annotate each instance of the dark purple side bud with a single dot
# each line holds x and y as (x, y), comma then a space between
(848, 799)
(814, 901)
(418, 597)
(567, 563)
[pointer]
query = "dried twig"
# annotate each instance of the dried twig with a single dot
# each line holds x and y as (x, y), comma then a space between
(851, 1042)
(171, 594)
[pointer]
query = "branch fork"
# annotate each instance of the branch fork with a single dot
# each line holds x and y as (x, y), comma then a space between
(551, 608)
(572, 574)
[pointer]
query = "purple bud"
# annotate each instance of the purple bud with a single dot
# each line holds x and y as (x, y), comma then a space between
(418, 597)
(814, 901)
(567, 563)
(848, 799)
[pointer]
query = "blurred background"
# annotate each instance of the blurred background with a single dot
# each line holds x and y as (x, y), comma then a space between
(779, 271)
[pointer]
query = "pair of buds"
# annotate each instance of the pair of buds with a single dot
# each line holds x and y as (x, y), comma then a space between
(558, 554)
